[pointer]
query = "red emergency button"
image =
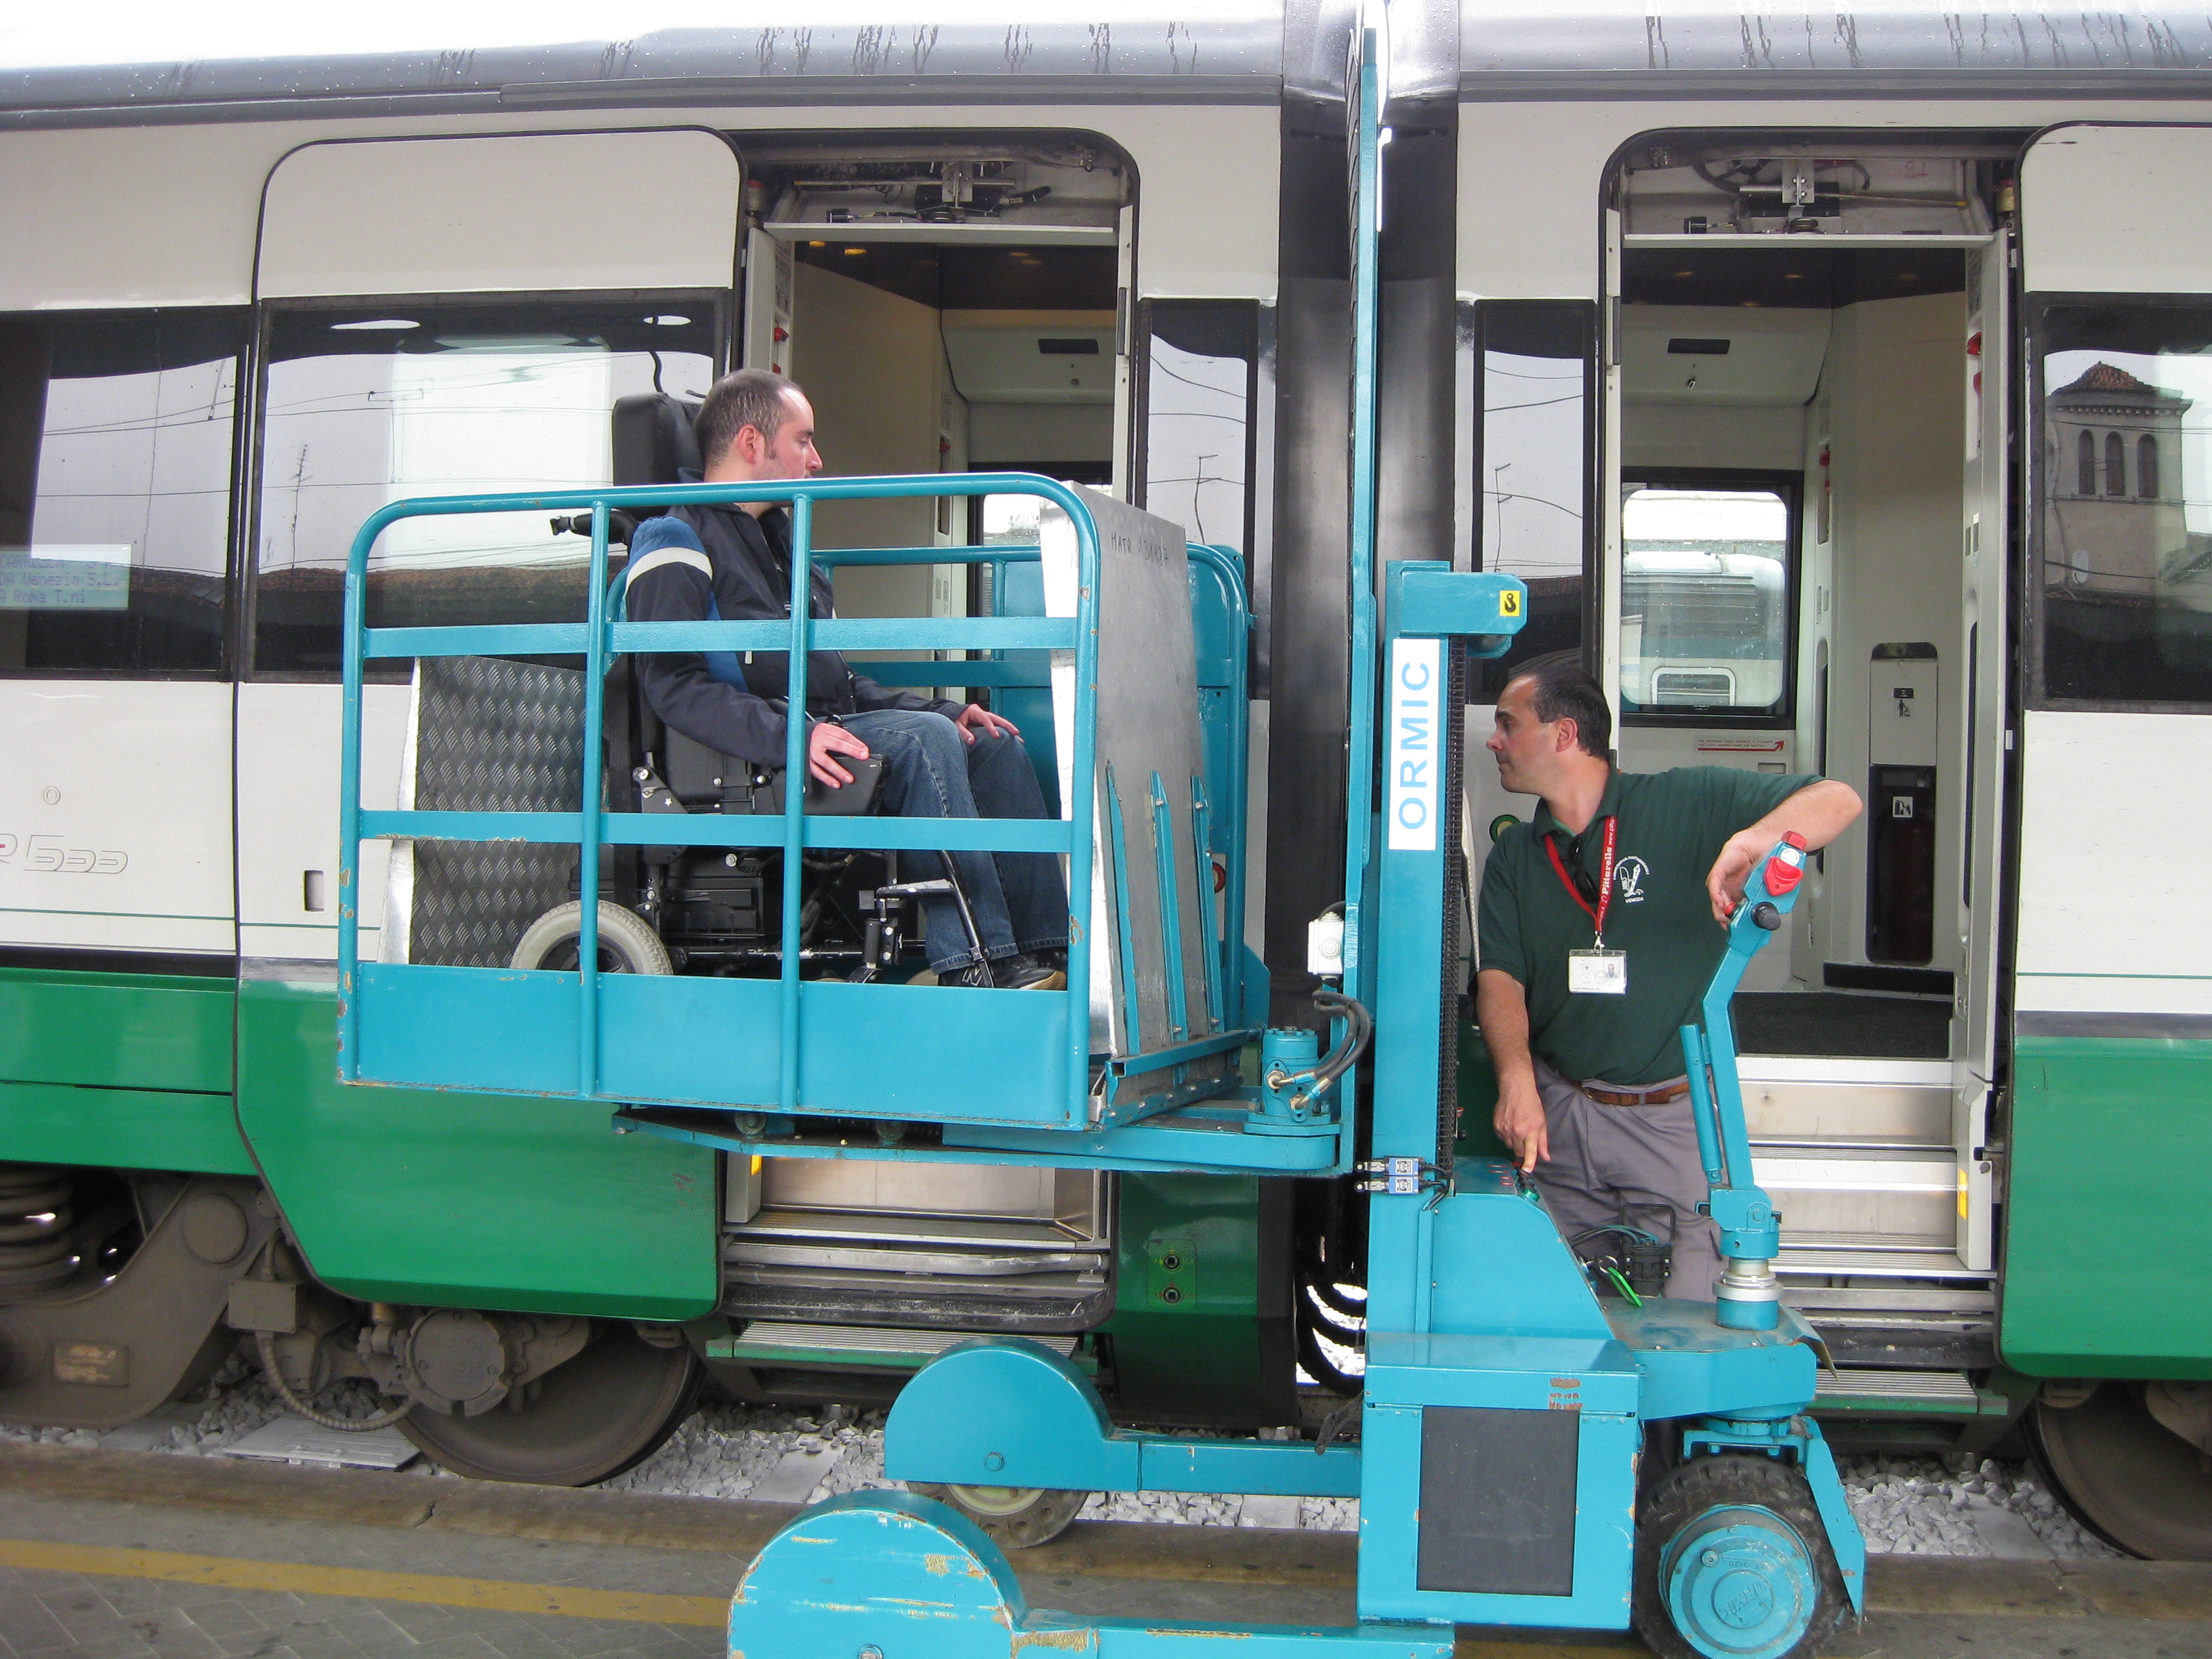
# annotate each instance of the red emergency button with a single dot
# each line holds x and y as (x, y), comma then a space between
(1787, 868)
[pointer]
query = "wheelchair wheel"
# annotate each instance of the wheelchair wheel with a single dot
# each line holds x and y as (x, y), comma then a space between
(627, 943)
(1017, 1517)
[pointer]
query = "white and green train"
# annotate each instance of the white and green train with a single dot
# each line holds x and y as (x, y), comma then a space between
(1836, 382)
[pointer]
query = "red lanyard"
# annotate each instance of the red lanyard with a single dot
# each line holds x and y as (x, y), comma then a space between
(1604, 880)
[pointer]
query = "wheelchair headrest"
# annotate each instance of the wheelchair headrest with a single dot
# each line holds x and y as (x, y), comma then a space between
(654, 438)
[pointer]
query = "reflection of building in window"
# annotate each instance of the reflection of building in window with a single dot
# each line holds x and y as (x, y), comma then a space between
(2105, 544)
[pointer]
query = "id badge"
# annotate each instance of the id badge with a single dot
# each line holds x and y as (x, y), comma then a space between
(1597, 973)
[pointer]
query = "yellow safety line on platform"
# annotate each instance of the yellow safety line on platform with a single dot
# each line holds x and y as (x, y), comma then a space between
(492, 1595)
(302, 1578)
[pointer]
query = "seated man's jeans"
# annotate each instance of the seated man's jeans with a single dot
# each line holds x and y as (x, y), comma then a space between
(1019, 900)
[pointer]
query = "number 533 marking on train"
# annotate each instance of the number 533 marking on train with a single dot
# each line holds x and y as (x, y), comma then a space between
(47, 853)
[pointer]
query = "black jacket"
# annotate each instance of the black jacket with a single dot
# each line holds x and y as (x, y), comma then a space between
(718, 699)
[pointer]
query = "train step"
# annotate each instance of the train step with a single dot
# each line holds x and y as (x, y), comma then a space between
(780, 1342)
(1878, 1255)
(1889, 1192)
(1842, 1102)
(1867, 1392)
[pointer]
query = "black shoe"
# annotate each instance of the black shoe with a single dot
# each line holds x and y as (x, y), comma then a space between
(976, 975)
(1026, 972)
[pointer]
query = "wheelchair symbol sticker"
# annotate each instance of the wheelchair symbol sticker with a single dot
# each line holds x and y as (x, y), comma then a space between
(1509, 603)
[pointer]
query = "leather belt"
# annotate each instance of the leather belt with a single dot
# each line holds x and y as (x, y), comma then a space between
(1657, 1094)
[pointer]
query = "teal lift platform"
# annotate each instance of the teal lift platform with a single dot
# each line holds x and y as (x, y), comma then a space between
(1508, 1466)
(1507, 1409)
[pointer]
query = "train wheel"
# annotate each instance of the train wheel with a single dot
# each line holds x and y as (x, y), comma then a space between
(1018, 1518)
(2126, 1475)
(1732, 1563)
(588, 1419)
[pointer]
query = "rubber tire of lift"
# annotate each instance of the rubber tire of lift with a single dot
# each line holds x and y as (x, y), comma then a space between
(592, 1417)
(1731, 1481)
(2126, 1476)
(1014, 1517)
(627, 943)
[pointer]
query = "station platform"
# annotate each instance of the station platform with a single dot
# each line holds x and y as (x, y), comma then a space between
(124, 1555)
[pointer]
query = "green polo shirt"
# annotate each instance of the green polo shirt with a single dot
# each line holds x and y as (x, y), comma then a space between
(1672, 825)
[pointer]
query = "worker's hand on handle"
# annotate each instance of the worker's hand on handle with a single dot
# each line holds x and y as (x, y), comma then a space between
(827, 740)
(1816, 814)
(975, 720)
(1520, 1123)
(1725, 882)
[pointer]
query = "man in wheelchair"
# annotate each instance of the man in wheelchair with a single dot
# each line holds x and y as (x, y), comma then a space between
(924, 757)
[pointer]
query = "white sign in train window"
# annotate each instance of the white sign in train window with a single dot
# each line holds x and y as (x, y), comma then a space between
(65, 578)
(1416, 744)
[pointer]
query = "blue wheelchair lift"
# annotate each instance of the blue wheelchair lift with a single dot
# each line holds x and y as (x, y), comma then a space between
(1506, 1465)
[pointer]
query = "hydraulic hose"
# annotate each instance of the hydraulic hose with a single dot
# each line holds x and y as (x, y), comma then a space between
(1358, 1032)
(299, 1407)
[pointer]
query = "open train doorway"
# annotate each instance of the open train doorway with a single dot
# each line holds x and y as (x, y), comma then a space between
(947, 305)
(1804, 462)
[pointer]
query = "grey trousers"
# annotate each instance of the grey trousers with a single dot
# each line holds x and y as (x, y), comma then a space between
(1605, 1156)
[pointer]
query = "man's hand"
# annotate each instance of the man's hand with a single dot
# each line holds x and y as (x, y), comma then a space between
(826, 739)
(1501, 1006)
(1740, 856)
(1819, 813)
(1520, 1124)
(976, 720)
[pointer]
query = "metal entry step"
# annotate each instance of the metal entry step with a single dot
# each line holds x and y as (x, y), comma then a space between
(780, 1342)
(1880, 1256)
(1914, 1393)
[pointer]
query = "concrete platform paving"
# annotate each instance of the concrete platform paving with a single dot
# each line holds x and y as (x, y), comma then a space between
(119, 1555)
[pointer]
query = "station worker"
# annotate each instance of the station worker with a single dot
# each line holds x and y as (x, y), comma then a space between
(1602, 922)
(941, 759)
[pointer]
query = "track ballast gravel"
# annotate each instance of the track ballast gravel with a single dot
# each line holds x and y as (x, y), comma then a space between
(1905, 1505)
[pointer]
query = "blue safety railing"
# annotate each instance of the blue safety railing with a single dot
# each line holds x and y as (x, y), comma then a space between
(527, 1056)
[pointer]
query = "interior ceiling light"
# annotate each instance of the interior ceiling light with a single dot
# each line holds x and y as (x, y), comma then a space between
(387, 323)
(1686, 273)
(851, 251)
(670, 321)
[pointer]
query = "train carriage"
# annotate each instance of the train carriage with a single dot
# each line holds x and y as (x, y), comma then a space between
(1828, 381)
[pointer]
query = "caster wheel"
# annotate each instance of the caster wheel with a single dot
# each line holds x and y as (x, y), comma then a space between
(1015, 1517)
(1732, 1563)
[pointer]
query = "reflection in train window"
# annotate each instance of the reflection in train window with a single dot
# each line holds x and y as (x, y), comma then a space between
(1535, 363)
(115, 469)
(364, 407)
(2126, 607)
(1705, 603)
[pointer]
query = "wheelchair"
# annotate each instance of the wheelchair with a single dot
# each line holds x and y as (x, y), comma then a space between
(676, 909)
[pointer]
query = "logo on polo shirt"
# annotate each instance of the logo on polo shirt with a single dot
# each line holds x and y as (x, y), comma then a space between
(1628, 879)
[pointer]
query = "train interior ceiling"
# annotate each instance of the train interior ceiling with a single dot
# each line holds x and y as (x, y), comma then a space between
(1794, 495)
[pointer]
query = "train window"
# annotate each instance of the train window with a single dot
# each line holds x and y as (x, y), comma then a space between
(2125, 607)
(1533, 377)
(1200, 360)
(1706, 601)
(364, 406)
(115, 471)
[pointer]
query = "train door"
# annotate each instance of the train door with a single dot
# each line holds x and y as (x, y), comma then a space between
(1985, 369)
(442, 316)
(1800, 456)
(2112, 998)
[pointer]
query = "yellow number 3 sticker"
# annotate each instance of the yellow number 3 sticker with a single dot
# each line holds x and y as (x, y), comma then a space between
(1509, 603)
